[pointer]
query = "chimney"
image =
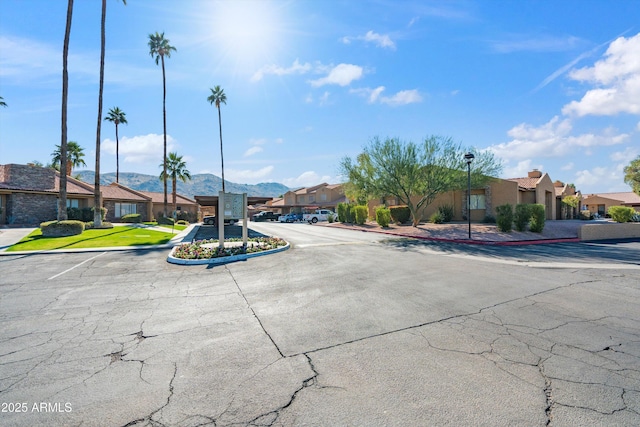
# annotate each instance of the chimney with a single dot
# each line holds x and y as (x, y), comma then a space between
(535, 174)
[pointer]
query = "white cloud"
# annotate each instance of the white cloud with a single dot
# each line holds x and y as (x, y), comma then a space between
(599, 176)
(139, 149)
(248, 176)
(535, 43)
(253, 150)
(626, 155)
(520, 169)
(257, 141)
(552, 139)
(617, 77)
(295, 68)
(380, 40)
(341, 74)
(306, 179)
(324, 98)
(401, 98)
(569, 166)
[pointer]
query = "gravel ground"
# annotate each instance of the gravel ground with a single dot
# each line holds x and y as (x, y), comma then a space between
(565, 229)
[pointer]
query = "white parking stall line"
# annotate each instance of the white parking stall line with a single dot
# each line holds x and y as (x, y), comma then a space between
(75, 266)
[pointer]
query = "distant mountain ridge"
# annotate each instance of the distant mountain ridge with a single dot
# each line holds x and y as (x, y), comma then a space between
(201, 184)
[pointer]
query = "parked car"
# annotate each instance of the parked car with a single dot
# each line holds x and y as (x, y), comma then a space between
(288, 218)
(265, 216)
(318, 215)
(212, 220)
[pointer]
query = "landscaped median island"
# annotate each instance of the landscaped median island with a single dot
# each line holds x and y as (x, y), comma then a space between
(209, 252)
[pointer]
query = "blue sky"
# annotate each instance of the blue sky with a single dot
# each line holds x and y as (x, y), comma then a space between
(552, 85)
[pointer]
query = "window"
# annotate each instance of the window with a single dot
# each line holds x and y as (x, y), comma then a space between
(301, 199)
(477, 201)
(73, 203)
(311, 199)
(123, 209)
(323, 197)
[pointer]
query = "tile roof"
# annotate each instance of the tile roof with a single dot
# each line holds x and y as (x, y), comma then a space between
(74, 187)
(120, 192)
(528, 183)
(159, 198)
(628, 197)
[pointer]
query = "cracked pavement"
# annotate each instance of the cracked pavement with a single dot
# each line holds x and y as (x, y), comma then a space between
(345, 328)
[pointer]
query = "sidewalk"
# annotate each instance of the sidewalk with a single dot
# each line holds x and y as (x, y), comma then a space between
(482, 234)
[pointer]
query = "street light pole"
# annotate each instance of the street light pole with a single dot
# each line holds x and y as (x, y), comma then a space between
(469, 158)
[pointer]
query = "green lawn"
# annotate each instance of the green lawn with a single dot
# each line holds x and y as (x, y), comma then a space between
(175, 227)
(117, 236)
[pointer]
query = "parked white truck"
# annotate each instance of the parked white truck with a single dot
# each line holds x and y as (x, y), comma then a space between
(318, 215)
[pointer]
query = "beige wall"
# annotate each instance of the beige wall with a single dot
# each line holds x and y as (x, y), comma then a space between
(609, 231)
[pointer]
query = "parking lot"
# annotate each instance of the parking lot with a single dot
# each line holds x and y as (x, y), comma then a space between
(345, 328)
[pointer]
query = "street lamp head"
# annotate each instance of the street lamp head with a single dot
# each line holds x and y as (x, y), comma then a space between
(469, 157)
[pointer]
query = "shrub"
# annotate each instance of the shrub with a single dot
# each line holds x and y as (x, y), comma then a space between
(522, 216)
(537, 218)
(505, 217)
(446, 212)
(621, 213)
(165, 220)
(103, 210)
(89, 225)
(489, 219)
(400, 214)
(436, 218)
(182, 222)
(585, 215)
(330, 218)
(383, 216)
(343, 212)
(74, 214)
(131, 218)
(360, 213)
(61, 228)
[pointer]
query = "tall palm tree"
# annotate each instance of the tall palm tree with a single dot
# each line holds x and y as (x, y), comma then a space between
(117, 116)
(218, 97)
(75, 154)
(62, 199)
(159, 47)
(97, 202)
(176, 169)
(2, 103)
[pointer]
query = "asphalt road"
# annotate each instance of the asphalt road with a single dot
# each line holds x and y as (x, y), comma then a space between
(345, 328)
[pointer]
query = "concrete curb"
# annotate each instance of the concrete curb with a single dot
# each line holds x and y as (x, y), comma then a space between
(222, 260)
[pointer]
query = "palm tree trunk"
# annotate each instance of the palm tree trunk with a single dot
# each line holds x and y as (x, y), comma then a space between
(221, 154)
(164, 122)
(97, 212)
(62, 199)
(117, 155)
(175, 204)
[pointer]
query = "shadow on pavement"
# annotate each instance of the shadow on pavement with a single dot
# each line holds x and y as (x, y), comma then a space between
(601, 252)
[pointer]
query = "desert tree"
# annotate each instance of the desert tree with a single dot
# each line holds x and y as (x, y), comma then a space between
(632, 175)
(415, 174)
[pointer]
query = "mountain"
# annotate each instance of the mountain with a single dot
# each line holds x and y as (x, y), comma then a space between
(201, 184)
